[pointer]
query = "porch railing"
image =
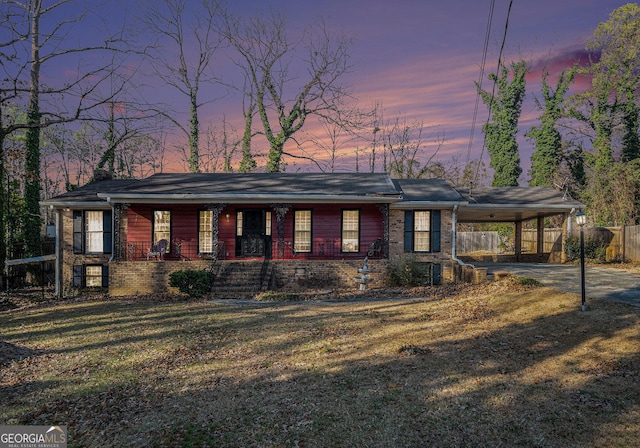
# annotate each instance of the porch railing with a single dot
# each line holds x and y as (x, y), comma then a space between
(187, 250)
(176, 250)
(326, 250)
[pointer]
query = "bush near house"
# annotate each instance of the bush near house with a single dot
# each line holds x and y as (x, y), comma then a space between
(191, 282)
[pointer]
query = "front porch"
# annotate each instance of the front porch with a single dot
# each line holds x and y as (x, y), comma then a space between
(179, 250)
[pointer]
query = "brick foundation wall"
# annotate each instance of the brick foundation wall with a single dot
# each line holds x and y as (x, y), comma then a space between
(152, 277)
(329, 274)
(147, 277)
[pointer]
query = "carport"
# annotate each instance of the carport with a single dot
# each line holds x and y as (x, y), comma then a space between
(518, 205)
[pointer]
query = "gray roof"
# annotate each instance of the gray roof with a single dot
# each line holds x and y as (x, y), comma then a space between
(239, 188)
(87, 195)
(484, 204)
(426, 191)
(363, 184)
(513, 203)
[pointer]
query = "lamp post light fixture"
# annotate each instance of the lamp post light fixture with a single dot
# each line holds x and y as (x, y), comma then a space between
(581, 220)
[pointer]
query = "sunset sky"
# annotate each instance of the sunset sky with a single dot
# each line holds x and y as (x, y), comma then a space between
(420, 58)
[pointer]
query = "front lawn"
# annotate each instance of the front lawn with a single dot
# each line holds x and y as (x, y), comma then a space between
(499, 364)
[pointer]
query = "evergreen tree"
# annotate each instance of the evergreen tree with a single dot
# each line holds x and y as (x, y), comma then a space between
(500, 132)
(547, 156)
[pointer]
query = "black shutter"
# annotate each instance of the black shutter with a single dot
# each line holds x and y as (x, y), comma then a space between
(77, 231)
(78, 271)
(107, 233)
(105, 276)
(435, 231)
(408, 231)
(437, 273)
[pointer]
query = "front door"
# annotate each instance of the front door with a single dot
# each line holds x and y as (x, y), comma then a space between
(252, 240)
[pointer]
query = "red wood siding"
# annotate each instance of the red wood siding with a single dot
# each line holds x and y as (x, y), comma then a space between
(326, 228)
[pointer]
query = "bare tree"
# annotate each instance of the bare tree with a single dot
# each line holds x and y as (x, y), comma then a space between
(220, 148)
(404, 152)
(183, 56)
(284, 101)
(69, 101)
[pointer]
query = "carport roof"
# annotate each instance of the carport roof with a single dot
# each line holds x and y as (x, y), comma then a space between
(512, 204)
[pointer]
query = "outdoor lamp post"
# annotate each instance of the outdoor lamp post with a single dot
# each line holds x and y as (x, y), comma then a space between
(581, 220)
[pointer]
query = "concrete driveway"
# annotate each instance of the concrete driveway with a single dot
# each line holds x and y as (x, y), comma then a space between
(601, 283)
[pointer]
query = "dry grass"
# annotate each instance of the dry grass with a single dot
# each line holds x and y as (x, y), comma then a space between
(494, 365)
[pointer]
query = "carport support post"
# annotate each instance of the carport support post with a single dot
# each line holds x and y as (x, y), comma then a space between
(518, 240)
(540, 235)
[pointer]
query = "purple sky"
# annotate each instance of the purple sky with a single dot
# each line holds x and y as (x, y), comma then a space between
(420, 58)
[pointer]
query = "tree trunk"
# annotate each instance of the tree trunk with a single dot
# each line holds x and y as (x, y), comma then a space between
(33, 221)
(194, 130)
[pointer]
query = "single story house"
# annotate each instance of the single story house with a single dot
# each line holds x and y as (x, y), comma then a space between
(265, 229)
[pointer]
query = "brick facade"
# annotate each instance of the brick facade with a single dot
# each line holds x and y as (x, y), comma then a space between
(396, 243)
(69, 259)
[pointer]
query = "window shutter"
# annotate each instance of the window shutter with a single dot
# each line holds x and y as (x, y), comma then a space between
(437, 273)
(77, 231)
(105, 276)
(78, 270)
(435, 231)
(107, 233)
(408, 231)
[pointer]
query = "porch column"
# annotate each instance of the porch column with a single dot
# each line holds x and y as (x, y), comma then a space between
(280, 211)
(215, 227)
(540, 235)
(518, 241)
(384, 210)
(119, 246)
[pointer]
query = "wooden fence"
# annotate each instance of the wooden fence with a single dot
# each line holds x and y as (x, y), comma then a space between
(631, 243)
(622, 243)
(470, 242)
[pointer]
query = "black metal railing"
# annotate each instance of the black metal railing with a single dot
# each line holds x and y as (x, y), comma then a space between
(176, 250)
(326, 250)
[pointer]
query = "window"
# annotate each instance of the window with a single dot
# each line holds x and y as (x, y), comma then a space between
(422, 231)
(205, 231)
(93, 276)
(302, 231)
(162, 226)
(92, 232)
(93, 227)
(239, 224)
(90, 276)
(350, 231)
(267, 223)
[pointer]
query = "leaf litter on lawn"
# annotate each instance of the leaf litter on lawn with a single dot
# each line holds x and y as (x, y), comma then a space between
(497, 364)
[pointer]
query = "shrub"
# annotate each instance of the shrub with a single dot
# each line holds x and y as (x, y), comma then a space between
(594, 249)
(410, 272)
(191, 282)
(527, 281)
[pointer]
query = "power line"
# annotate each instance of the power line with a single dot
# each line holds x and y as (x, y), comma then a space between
(480, 77)
(493, 89)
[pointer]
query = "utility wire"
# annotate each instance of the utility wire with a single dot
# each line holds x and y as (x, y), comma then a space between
(493, 90)
(480, 78)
